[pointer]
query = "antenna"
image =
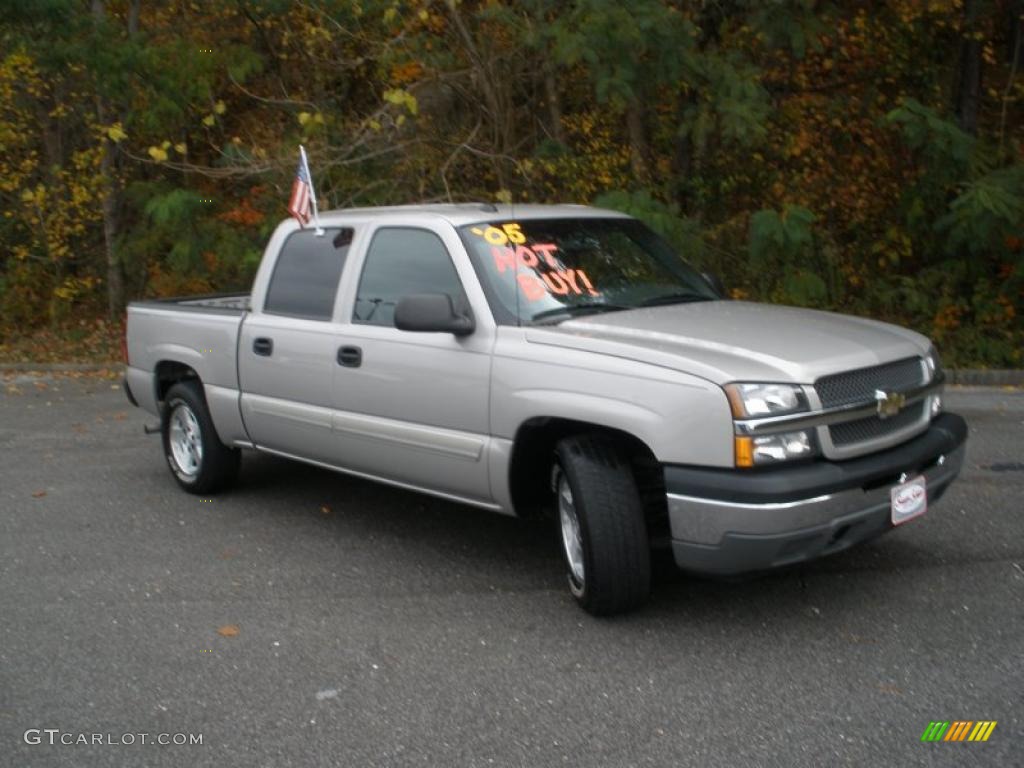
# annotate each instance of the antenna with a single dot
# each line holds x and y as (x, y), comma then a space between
(515, 272)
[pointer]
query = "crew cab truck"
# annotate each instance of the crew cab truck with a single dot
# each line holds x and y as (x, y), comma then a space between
(529, 358)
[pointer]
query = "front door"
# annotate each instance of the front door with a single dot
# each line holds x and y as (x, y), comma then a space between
(412, 407)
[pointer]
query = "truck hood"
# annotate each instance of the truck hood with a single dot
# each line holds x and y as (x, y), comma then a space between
(725, 341)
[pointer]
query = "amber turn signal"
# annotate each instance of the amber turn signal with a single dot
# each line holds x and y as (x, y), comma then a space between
(744, 452)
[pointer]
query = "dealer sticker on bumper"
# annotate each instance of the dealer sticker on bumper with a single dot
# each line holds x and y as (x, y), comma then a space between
(909, 500)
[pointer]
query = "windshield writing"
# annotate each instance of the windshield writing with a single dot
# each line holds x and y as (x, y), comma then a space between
(546, 270)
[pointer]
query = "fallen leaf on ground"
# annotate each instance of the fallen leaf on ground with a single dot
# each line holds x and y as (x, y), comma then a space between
(79, 428)
(325, 509)
(120, 416)
(228, 630)
(38, 494)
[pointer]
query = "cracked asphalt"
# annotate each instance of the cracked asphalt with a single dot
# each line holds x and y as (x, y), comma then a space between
(312, 619)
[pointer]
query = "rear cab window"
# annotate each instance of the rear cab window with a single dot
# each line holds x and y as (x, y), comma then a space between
(304, 283)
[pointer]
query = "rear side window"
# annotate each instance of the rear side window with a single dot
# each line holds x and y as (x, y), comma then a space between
(399, 263)
(305, 279)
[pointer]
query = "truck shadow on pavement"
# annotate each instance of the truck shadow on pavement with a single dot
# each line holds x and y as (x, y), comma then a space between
(438, 545)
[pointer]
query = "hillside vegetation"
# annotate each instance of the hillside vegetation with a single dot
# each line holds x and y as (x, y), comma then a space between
(862, 156)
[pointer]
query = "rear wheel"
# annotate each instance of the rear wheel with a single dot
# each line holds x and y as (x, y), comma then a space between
(199, 461)
(601, 525)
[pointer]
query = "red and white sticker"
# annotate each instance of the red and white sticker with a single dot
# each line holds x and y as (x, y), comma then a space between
(909, 500)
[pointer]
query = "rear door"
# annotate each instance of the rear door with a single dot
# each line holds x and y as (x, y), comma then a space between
(413, 407)
(286, 355)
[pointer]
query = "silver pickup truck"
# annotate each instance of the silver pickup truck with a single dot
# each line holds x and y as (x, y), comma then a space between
(561, 361)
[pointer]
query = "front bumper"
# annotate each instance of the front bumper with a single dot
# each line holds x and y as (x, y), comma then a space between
(729, 522)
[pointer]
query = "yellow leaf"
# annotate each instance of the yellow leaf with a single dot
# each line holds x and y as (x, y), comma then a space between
(503, 196)
(158, 154)
(181, 148)
(208, 120)
(400, 97)
(116, 133)
(424, 15)
(303, 118)
(220, 107)
(165, 145)
(228, 630)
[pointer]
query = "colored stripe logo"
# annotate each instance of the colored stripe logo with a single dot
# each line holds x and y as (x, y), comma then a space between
(958, 730)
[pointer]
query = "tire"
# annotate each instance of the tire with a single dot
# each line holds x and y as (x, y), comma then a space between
(608, 556)
(198, 460)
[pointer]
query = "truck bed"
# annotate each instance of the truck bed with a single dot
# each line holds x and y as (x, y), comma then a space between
(234, 303)
(200, 332)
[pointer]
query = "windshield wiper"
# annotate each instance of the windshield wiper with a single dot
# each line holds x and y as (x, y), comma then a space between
(674, 298)
(578, 309)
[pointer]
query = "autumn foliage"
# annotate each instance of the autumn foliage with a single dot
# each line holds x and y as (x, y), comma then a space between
(866, 156)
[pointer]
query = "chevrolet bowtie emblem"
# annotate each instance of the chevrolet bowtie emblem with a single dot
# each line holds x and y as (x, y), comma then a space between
(889, 403)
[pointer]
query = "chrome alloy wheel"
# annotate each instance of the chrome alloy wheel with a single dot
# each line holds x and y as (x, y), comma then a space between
(572, 540)
(186, 441)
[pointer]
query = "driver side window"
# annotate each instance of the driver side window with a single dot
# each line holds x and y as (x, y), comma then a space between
(400, 262)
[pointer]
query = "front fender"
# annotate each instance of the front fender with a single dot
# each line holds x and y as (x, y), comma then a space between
(682, 419)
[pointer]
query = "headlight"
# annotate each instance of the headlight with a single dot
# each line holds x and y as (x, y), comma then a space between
(751, 400)
(933, 363)
(769, 449)
(934, 366)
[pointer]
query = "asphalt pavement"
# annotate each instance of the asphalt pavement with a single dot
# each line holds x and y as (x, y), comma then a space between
(311, 619)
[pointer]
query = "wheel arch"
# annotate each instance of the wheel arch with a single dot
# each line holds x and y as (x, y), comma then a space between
(167, 373)
(533, 453)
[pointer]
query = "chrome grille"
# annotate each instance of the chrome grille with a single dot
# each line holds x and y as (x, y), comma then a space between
(859, 386)
(872, 427)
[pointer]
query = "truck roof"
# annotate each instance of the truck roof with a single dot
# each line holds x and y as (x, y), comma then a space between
(459, 214)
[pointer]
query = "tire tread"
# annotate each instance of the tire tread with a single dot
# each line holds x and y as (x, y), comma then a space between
(220, 463)
(618, 574)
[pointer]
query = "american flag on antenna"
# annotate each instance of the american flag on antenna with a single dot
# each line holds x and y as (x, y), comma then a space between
(302, 188)
(303, 193)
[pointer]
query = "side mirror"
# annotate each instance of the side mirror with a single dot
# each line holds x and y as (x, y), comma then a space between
(716, 282)
(432, 312)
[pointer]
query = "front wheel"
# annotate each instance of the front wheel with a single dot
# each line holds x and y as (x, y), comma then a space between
(602, 526)
(199, 461)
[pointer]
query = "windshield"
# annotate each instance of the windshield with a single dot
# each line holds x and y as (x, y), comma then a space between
(548, 270)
